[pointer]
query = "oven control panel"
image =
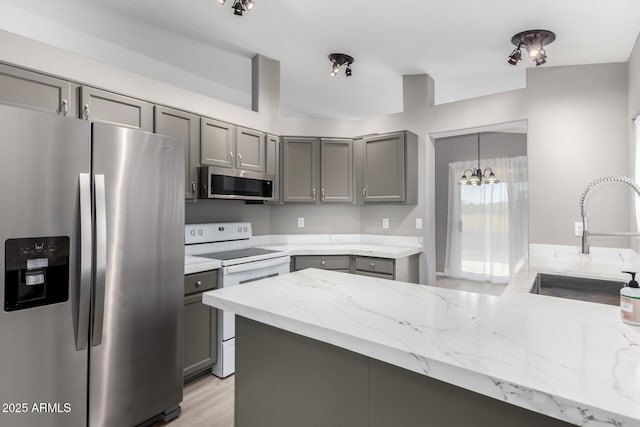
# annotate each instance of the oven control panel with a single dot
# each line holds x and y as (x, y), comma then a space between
(216, 232)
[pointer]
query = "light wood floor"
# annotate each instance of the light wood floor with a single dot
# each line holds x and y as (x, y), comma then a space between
(208, 402)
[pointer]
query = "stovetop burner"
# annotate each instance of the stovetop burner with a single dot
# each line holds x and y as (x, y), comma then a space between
(238, 254)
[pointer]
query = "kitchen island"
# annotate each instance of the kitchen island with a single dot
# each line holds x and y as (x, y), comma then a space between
(325, 348)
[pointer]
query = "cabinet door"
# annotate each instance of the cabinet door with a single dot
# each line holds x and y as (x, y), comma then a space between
(273, 164)
(217, 145)
(107, 107)
(185, 126)
(200, 335)
(33, 90)
(384, 168)
(299, 169)
(325, 262)
(336, 171)
(250, 149)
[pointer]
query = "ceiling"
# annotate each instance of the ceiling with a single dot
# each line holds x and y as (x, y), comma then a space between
(462, 44)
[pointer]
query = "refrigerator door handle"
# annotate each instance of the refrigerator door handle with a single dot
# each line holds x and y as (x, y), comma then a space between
(101, 260)
(84, 294)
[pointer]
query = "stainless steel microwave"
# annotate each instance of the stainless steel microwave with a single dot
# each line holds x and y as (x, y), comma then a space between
(234, 184)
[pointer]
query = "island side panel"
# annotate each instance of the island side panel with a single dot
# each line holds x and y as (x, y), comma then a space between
(402, 398)
(287, 380)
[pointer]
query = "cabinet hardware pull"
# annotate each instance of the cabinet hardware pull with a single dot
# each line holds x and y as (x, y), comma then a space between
(240, 158)
(323, 194)
(65, 107)
(86, 111)
(364, 192)
(323, 262)
(193, 187)
(373, 264)
(231, 154)
(198, 284)
(314, 193)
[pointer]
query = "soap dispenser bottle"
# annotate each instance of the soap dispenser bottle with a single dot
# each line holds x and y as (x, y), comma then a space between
(630, 301)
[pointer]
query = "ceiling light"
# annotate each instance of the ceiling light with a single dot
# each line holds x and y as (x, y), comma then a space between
(533, 41)
(478, 175)
(515, 56)
(338, 60)
(240, 6)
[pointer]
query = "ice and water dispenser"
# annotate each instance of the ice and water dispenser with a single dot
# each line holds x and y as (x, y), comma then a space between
(36, 272)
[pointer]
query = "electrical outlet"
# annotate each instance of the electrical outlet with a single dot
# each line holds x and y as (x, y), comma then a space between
(418, 223)
(577, 227)
(385, 223)
(300, 222)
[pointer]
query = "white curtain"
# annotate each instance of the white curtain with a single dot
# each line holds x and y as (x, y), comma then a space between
(487, 225)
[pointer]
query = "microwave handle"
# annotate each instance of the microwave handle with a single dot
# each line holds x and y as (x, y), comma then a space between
(257, 265)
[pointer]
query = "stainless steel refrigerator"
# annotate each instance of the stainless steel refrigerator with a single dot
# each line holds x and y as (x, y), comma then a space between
(92, 253)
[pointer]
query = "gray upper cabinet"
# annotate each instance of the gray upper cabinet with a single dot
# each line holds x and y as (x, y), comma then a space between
(37, 91)
(299, 173)
(107, 107)
(218, 143)
(250, 150)
(336, 170)
(388, 168)
(273, 164)
(185, 126)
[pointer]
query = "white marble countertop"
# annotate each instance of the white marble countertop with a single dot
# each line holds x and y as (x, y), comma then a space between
(392, 247)
(373, 245)
(196, 264)
(379, 251)
(571, 360)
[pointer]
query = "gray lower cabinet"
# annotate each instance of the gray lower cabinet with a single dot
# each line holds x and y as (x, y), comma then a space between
(299, 174)
(388, 168)
(185, 126)
(250, 149)
(200, 324)
(405, 269)
(107, 107)
(325, 262)
(273, 164)
(37, 91)
(336, 170)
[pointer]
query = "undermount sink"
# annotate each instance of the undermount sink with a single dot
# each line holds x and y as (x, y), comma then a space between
(578, 288)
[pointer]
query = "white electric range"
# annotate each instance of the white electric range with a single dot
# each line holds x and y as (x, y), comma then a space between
(230, 243)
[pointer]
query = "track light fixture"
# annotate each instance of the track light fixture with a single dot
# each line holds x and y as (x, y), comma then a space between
(533, 41)
(240, 6)
(338, 60)
(477, 175)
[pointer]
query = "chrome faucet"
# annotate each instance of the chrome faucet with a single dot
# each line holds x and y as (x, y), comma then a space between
(583, 210)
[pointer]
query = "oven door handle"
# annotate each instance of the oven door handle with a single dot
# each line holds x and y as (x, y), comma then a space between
(258, 265)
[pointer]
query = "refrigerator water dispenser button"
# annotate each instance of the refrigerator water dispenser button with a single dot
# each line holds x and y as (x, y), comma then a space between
(33, 278)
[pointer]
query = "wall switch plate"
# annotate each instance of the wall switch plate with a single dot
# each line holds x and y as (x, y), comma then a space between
(300, 222)
(577, 227)
(418, 223)
(385, 222)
